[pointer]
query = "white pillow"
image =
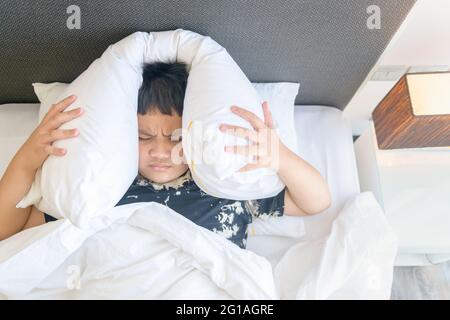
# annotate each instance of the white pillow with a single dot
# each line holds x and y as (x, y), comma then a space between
(17, 122)
(215, 83)
(102, 162)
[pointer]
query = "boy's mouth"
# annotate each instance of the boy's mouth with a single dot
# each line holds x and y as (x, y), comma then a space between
(159, 167)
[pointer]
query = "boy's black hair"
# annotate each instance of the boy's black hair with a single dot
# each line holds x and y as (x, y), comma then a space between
(163, 88)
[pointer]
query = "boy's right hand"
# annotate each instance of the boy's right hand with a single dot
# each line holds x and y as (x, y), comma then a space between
(40, 144)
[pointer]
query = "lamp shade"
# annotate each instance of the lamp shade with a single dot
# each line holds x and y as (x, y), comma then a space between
(415, 113)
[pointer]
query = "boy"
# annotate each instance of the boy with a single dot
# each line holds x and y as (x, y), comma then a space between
(160, 179)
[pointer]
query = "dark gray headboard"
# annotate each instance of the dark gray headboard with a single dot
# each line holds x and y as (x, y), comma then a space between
(324, 45)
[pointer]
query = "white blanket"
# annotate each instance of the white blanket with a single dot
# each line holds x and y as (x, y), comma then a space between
(146, 250)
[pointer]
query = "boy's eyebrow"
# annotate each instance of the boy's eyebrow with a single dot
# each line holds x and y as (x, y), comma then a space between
(148, 133)
(145, 132)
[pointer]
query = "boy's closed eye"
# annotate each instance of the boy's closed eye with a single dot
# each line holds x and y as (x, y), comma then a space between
(146, 137)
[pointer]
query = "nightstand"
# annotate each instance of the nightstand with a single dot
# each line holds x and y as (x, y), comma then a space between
(413, 187)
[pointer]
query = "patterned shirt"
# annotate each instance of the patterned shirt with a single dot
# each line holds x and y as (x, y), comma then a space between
(228, 218)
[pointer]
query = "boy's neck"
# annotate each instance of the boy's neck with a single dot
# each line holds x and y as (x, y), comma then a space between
(175, 183)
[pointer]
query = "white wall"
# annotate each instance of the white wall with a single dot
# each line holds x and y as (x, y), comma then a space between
(422, 41)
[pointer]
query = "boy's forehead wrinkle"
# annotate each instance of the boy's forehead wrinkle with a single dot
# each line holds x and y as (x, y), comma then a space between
(155, 129)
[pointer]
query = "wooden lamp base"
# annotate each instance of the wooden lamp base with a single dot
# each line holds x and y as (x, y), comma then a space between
(397, 126)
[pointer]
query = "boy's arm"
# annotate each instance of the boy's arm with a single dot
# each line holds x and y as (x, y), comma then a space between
(307, 192)
(14, 184)
(19, 175)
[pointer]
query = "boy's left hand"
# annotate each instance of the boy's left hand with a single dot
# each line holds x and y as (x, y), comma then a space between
(264, 144)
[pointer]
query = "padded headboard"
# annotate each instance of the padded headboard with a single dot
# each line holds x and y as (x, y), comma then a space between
(323, 44)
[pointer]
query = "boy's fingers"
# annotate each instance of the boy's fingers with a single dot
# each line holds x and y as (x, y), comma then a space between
(256, 122)
(240, 132)
(59, 134)
(64, 117)
(267, 115)
(247, 150)
(62, 105)
(50, 150)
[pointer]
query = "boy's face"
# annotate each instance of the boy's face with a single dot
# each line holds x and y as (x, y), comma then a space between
(156, 144)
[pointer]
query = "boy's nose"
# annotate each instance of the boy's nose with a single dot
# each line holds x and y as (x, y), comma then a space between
(160, 150)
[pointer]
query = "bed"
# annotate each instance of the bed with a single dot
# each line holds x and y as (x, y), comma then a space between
(325, 141)
(346, 252)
